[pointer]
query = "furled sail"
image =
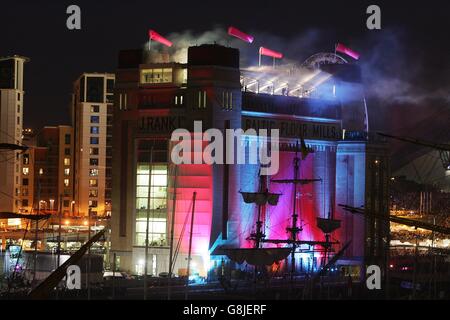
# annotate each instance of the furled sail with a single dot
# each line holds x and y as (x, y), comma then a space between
(261, 198)
(328, 225)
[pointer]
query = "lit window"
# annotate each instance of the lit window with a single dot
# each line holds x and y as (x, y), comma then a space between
(93, 151)
(94, 130)
(25, 171)
(227, 100)
(67, 172)
(94, 140)
(26, 159)
(95, 108)
(93, 182)
(67, 161)
(66, 182)
(93, 193)
(157, 75)
(93, 172)
(178, 100)
(93, 203)
(41, 171)
(151, 193)
(202, 99)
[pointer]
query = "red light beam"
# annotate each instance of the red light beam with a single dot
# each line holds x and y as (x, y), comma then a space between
(270, 53)
(232, 31)
(153, 35)
(341, 48)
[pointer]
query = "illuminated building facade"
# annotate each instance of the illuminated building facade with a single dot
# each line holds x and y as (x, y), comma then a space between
(153, 97)
(47, 171)
(92, 122)
(11, 121)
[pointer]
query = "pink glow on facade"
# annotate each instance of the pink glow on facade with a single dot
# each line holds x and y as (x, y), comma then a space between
(279, 217)
(155, 36)
(232, 31)
(270, 53)
(193, 178)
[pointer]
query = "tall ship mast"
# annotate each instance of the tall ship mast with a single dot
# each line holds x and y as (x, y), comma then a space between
(260, 254)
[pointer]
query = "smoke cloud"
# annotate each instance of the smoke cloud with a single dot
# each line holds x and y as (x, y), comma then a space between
(401, 89)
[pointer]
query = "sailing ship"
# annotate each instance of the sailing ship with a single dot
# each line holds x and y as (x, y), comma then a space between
(261, 254)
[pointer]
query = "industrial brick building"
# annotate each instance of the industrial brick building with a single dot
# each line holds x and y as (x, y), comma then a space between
(322, 103)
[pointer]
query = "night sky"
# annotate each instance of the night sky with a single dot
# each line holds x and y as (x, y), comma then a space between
(406, 63)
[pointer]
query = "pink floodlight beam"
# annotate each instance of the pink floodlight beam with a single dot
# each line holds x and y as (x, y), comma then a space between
(270, 53)
(232, 31)
(155, 36)
(343, 49)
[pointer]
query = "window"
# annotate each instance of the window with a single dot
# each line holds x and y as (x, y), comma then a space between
(93, 172)
(18, 120)
(25, 182)
(67, 138)
(93, 203)
(93, 193)
(18, 96)
(95, 108)
(95, 119)
(93, 182)
(66, 203)
(158, 75)
(157, 234)
(25, 171)
(67, 151)
(178, 100)
(94, 130)
(95, 87)
(66, 182)
(67, 161)
(151, 181)
(110, 85)
(93, 151)
(18, 108)
(26, 159)
(94, 140)
(227, 100)
(123, 101)
(41, 171)
(67, 172)
(25, 202)
(93, 162)
(202, 99)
